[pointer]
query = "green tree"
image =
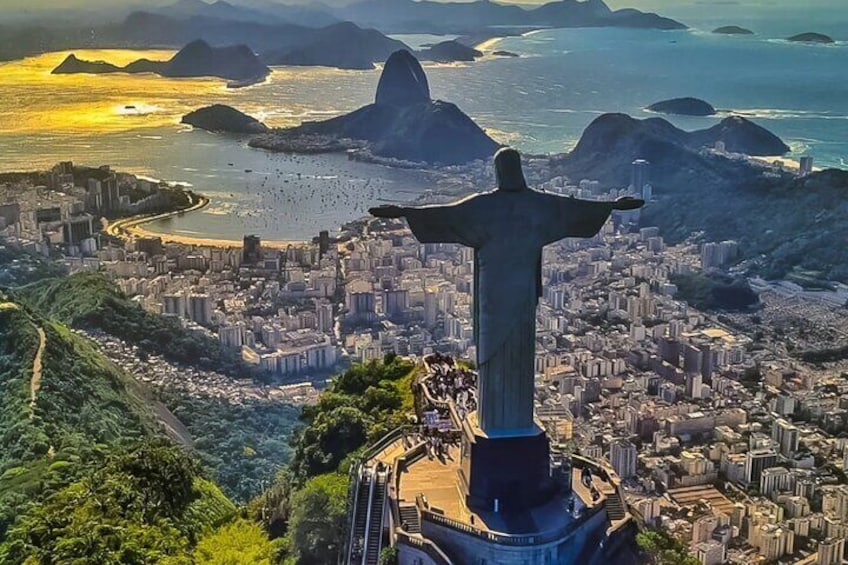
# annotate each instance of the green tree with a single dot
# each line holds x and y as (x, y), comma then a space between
(663, 549)
(389, 556)
(318, 519)
(328, 439)
(237, 543)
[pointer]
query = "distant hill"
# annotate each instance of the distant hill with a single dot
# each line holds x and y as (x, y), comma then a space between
(782, 223)
(620, 139)
(260, 12)
(411, 16)
(223, 119)
(733, 30)
(684, 107)
(197, 59)
(810, 37)
(296, 34)
(344, 45)
(403, 123)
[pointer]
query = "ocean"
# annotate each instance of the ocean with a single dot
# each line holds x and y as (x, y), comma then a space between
(540, 103)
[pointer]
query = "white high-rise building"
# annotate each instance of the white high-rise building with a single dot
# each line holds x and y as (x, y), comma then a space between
(623, 458)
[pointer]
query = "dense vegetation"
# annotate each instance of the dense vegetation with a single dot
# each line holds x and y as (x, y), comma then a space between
(242, 446)
(661, 548)
(783, 226)
(20, 267)
(85, 476)
(149, 505)
(89, 300)
(83, 406)
(714, 291)
(306, 505)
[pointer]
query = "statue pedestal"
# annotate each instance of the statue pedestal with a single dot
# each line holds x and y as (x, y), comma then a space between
(509, 474)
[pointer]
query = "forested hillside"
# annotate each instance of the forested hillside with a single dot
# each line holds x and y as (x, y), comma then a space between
(85, 472)
(88, 476)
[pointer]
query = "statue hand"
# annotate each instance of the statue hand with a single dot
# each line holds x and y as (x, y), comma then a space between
(387, 211)
(628, 203)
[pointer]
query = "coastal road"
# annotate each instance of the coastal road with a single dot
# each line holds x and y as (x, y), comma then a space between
(125, 226)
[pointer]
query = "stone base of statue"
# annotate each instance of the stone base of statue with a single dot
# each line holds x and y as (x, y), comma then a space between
(507, 474)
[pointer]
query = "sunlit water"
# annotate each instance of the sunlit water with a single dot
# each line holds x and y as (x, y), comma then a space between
(540, 102)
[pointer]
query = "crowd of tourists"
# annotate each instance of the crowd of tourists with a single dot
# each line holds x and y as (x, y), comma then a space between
(447, 381)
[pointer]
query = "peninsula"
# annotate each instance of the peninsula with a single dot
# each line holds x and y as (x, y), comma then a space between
(403, 124)
(449, 52)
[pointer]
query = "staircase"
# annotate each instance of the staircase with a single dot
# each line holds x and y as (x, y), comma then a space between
(409, 516)
(615, 507)
(374, 532)
(360, 519)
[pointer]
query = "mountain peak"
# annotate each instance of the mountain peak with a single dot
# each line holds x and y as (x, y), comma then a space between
(403, 82)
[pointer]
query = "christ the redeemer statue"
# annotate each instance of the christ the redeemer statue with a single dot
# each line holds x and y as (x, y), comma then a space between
(507, 228)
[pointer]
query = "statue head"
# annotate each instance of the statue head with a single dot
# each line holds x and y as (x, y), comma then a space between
(508, 170)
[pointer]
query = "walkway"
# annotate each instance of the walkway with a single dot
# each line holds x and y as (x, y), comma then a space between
(37, 368)
(37, 363)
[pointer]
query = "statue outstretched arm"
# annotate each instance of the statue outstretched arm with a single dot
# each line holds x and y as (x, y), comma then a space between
(572, 217)
(450, 223)
(388, 211)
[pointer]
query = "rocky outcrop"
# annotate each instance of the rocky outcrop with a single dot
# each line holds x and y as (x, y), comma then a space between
(403, 124)
(684, 107)
(224, 119)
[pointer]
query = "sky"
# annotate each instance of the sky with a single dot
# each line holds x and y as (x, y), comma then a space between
(671, 6)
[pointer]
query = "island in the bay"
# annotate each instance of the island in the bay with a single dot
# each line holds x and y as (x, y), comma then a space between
(219, 118)
(810, 37)
(733, 30)
(684, 107)
(237, 63)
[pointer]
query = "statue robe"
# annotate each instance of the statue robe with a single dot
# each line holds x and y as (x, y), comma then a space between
(507, 230)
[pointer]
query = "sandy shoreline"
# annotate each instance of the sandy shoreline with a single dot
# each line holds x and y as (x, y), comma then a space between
(209, 242)
(128, 228)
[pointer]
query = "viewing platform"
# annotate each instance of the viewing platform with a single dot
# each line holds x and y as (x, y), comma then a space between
(426, 515)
